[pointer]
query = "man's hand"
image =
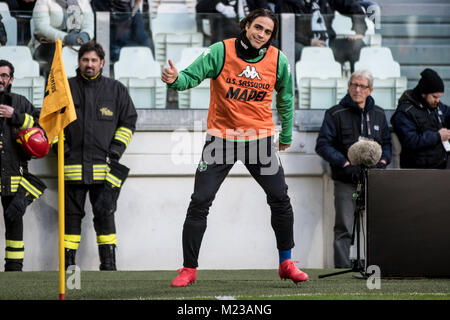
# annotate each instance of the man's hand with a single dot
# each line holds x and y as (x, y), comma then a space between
(381, 165)
(227, 11)
(316, 42)
(282, 146)
(169, 75)
(71, 38)
(445, 134)
(83, 37)
(6, 111)
(355, 37)
(352, 172)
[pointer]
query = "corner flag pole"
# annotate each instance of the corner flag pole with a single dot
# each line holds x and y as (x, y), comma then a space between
(57, 112)
(62, 282)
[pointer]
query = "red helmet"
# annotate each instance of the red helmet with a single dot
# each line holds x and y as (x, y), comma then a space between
(33, 142)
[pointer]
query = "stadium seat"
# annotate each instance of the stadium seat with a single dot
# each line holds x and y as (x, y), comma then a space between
(388, 83)
(319, 79)
(198, 97)
(143, 78)
(174, 28)
(342, 26)
(27, 80)
(70, 59)
(10, 24)
(154, 4)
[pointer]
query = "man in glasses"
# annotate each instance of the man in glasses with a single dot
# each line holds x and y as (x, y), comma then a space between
(355, 116)
(18, 187)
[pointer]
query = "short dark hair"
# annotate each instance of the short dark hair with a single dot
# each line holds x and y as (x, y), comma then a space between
(261, 13)
(91, 46)
(5, 63)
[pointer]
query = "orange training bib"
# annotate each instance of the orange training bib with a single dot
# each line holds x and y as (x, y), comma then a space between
(241, 96)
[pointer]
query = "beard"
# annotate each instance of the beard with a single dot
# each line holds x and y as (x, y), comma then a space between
(4, 86)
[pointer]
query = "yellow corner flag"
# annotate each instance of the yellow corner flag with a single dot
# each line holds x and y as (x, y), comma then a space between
(57, 112)
(57, 109)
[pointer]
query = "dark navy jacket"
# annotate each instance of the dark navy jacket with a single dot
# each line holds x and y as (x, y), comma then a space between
(342, 126)
(416, 127)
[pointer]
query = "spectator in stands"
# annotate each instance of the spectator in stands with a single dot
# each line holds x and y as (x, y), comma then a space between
(72, 21)
(421, 123)
(3, 35)
(93, 145)
(127, 24)
(355, 116)
(226, 15)
(22, 11)
(19, 187)
(20, 5)
(369, 5)
(313, 26)
(244, 72)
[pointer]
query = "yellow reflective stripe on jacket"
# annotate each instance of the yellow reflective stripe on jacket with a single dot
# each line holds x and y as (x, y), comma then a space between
(73, 172)
(74, 167)
(15, 181)
(14, 244)
(28, 122)
(113, 180)
(107, 239)
(100, 171)
(14, 254)
(55, 140)
(72, 241)
(30, 188)
(124, 135)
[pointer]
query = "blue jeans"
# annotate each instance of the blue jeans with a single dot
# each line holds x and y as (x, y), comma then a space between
(127, 31)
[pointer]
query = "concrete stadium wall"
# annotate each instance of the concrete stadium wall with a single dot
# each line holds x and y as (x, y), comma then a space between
(153, 204)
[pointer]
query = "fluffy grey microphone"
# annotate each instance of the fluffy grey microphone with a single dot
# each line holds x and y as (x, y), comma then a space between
(364, 152)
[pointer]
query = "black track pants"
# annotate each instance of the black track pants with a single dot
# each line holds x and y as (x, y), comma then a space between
(262, 161)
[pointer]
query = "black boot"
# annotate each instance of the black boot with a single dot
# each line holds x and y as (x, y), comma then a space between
(70, 257)
(13, 265)
(107, 257)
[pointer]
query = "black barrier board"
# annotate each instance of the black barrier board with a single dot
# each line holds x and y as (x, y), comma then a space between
(408, 222)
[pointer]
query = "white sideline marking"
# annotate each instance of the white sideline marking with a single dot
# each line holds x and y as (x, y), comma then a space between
(297, 295)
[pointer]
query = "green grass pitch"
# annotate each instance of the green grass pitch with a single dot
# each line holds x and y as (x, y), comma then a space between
(216, 284)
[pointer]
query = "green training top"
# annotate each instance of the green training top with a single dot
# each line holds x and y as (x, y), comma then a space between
(209, 65)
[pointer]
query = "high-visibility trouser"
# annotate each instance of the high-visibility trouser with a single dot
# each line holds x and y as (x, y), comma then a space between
(31, 188)
(72, 241)
(14, 250)
(14, 235)
(75, 199)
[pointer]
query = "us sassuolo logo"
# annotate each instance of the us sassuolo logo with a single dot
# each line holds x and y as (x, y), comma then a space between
(248, 90)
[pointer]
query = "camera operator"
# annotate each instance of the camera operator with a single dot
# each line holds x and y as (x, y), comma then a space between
(355, 116)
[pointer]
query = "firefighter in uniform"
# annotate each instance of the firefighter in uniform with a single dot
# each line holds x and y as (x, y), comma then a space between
(18, 187)
(93, 145)
(244, 73)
